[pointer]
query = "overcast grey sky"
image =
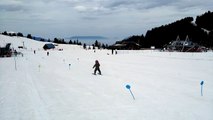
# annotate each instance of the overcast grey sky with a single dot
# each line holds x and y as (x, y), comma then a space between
(115, 19)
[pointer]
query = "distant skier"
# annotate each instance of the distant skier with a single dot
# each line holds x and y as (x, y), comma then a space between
(97, 67)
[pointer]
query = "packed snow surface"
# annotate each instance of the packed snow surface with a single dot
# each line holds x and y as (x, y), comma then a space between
(61, 86)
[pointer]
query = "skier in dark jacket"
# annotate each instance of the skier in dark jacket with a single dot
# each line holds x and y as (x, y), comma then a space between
(97, 67)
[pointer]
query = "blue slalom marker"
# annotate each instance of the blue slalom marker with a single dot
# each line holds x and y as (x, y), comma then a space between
(201, 84)
(129, 88)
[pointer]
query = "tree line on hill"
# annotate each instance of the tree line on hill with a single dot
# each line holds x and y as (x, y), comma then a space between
(96, 44)
(19, 34)
(57, 40)
(201, 32)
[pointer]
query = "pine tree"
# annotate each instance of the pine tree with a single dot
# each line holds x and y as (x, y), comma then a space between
(70, 42)
(29, 36)
(5, 33)
(20, 34)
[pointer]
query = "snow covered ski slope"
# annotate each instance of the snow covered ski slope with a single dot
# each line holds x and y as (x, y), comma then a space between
(166, 86)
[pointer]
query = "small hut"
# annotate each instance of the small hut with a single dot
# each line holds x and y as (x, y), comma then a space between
(126, 45)
(49, 46)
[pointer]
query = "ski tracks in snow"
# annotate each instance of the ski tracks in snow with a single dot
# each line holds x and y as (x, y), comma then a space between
(35, 101)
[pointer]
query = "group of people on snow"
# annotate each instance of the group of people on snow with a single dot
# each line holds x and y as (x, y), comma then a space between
(96, 65)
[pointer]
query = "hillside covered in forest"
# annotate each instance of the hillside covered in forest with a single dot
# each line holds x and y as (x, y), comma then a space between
(199, 30)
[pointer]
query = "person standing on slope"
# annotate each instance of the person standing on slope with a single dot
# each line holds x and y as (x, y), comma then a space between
(97, 67)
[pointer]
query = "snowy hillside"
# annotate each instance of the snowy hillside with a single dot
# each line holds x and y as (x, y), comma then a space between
(61, 86)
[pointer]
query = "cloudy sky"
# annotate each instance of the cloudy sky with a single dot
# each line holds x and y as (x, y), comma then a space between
(116, 19)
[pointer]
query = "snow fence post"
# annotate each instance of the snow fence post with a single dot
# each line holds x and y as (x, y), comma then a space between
(15, 63)
(129, 88)
(39, 66)
(69, 66)
(64, 60)
(201, 85)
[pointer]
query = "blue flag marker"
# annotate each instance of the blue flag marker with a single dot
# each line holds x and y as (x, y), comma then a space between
(201, 84)
(129, 88)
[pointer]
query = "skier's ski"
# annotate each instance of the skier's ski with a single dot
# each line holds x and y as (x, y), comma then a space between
(96, 74)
